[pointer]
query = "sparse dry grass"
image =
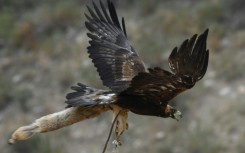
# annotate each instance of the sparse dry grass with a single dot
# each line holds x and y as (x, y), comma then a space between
(44, 53)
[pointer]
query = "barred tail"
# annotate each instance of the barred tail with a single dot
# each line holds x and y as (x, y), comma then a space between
(84, 103)
(56, 121)
(87, 96)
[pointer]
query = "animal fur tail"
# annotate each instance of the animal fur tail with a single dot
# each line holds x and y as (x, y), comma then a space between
(83, 104)
(56, 121)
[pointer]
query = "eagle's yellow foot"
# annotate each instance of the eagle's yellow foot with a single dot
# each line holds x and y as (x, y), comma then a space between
(121, 123)
(117, 142)
(121, 126)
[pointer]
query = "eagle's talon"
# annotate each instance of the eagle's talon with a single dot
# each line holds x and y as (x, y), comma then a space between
(132, 87)
(117, 142)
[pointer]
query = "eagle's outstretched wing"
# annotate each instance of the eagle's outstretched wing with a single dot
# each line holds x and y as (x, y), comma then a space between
(188, 64)
(112, 54)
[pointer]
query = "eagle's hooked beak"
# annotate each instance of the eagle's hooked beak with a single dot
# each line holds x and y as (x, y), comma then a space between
(177, 115)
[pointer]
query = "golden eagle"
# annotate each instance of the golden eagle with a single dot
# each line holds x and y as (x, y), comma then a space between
(132, 87)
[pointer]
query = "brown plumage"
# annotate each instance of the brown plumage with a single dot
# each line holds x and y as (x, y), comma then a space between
(132, 87)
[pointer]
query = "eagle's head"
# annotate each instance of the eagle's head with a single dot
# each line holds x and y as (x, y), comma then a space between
(173, 113)
(176, 115)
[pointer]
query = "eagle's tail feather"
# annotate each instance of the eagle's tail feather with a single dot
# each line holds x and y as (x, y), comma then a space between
(88, 97)
(80, 90)
(56, 121)
(84, 103)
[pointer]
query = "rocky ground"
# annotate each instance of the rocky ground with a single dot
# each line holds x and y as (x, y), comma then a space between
(43, 52)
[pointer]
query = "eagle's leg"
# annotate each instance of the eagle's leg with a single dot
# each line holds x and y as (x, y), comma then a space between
(121, 123)
(56, 121)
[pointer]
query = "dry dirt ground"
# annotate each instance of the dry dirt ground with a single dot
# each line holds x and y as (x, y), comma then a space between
(43, 52)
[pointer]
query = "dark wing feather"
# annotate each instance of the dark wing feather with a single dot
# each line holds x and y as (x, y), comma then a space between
(188, 63)
(190, 60)
(158, 85)
(111, 52)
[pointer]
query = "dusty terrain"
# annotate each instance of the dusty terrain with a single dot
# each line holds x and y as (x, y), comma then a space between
(43, 52)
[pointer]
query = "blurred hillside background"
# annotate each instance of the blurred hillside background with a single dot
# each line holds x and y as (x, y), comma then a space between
(43, 52)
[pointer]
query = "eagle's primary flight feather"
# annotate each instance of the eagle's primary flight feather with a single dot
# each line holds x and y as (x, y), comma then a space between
(132, 87)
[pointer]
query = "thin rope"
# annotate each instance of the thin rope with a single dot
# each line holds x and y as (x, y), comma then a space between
(112, 126)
